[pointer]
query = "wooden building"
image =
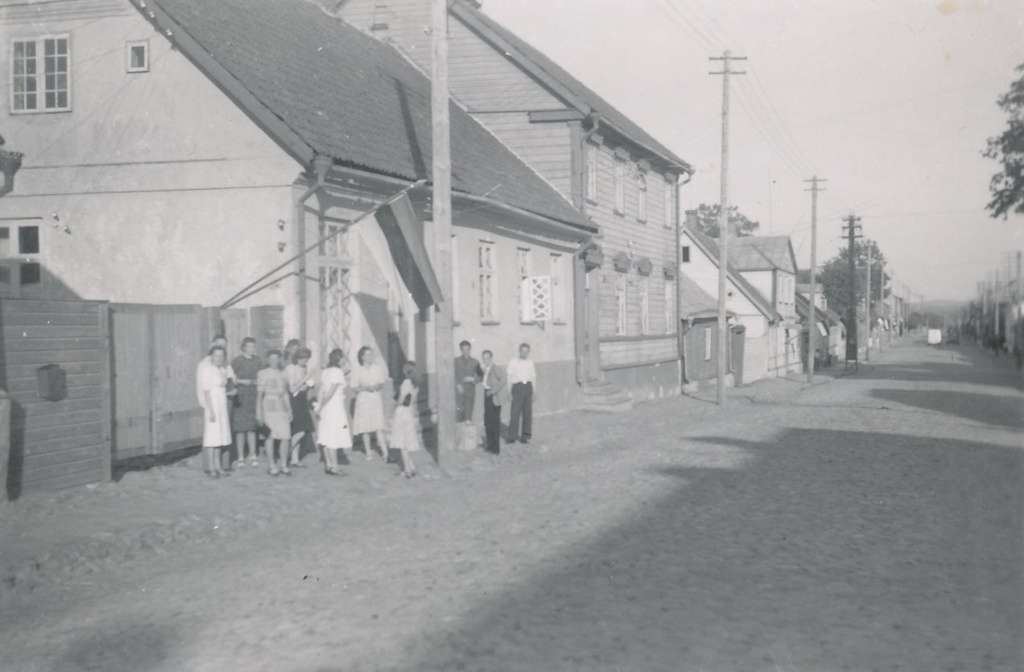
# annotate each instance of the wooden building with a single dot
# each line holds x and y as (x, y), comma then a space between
(188, 152)
(607, 166)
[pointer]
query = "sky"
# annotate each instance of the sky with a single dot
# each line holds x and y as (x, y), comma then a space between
(891, 101)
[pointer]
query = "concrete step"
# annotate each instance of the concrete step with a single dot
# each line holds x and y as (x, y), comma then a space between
(621, 407)
(606, 398)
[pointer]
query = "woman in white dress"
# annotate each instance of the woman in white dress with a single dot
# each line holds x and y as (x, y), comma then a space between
(367, 381)
(405, 428)
(217, 423)
(332, 429)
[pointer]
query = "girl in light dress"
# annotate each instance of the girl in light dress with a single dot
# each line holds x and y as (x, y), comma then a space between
(332, 429)
(405, 428)
(367, 381)
(212, 381)
(274, 409)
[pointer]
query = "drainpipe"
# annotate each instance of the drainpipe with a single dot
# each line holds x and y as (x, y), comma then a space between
(321, 165)
(680, 345)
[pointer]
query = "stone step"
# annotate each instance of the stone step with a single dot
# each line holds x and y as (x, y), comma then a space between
(620, 407)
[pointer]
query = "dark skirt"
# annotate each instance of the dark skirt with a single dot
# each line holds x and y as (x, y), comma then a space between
(302, 419)
(243, 410)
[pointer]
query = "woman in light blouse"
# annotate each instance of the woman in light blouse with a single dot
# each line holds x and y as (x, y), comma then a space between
(368, 380)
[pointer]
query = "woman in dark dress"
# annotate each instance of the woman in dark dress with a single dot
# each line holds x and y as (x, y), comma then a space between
(299, 382)
(244, 420)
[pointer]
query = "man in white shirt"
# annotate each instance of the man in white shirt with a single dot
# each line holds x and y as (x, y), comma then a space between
(521, 378)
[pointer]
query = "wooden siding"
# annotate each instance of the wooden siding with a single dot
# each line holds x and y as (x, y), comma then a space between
(408, 24)
(544, 147)
(19, 11)
(637, 352)
(63, 443)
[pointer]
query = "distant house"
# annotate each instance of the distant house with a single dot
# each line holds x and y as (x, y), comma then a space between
(753, 311)
(190, 151)
(607, 166)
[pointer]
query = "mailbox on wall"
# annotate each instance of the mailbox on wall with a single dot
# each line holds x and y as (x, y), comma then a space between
(53, 382)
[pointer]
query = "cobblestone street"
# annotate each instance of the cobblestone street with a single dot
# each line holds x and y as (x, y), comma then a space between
(868, 522)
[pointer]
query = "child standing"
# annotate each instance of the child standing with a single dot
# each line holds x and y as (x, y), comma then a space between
(405, 428)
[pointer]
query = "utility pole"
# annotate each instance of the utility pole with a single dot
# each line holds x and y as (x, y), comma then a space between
(444, 348)
(723, 222)
(881, 299)
(812, 329)
(851, 310)
(867, 309)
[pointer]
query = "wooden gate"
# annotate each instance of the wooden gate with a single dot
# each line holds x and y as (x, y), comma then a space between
(156, 349)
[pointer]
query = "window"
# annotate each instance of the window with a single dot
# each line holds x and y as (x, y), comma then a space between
(620, 304)
(670, 205)
(523, 269)
(31, 274)
(5, 242)
(620, 186)
(558, 287)
(641, 197)
(593, 155)
(138, 56)
(685, 256)
(28, 240)
(645, 305)
(40, 75)
(670, 316)
(707, 344)
(488, 282)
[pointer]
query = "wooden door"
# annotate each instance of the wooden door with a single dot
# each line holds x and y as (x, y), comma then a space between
(132, 391)
(236, 327)
(177, 349)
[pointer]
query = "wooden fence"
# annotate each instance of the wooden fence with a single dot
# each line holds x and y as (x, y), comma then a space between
(65, 440)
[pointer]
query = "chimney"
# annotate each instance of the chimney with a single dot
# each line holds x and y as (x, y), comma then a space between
(691, 220)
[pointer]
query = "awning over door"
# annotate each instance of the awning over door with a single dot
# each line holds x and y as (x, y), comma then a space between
(404, 234)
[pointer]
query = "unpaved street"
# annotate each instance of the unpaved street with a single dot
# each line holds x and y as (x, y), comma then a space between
(870, 522)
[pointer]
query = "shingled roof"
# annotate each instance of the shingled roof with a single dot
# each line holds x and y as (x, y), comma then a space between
(469, 10)
(762, 253)
(710, 247)
(694, 302)
(337, 92)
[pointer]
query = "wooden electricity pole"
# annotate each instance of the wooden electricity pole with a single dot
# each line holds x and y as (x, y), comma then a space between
(444, 348)
(812, 329)
(851, 310)
(723, 223)
(867, 309)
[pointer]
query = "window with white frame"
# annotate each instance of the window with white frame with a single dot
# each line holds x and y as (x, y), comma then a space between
(19, 265)
(641, 196)
(620, 304)
(707, 343)
(669, 307)
(669, 204)
(645, 305)
(137, 56)
(523, 270)
(40, 75)
(559, 283)
(620, 186)
(592, 158)
(487, 274)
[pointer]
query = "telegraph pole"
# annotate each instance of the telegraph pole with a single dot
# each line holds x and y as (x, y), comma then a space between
(444, 348)
(812, 330)
(723, 222)
(851, 310)
(867, 309)
(881, 299)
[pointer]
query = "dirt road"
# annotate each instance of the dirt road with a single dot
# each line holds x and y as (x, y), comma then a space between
(872, 522)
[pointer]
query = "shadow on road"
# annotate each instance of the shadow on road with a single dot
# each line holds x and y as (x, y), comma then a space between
(991, 409)
(950, 364)
(116, 646)
(828, 550)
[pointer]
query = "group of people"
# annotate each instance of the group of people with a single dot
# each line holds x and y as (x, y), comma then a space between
(514, 385)
(277, 397)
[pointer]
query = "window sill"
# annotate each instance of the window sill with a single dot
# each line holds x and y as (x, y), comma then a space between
(592, 200)
(641, 221)
(489, 323)
(561, 323)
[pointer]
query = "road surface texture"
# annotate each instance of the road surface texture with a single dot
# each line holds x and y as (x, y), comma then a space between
(868, 522)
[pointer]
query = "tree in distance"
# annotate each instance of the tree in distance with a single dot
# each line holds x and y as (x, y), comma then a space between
(707, 221)
(834, 276)
(1007, 186)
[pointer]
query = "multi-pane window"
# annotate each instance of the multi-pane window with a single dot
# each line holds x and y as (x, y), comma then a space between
(488, 282)
(558, 285)
(40, 75)
(669, 308)
(641, 197)
(645, 305)
(593, 155)
(29, 271)
(523, 271)
(620, 186)
(137, 56)
(620, 304)
(669, 205)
